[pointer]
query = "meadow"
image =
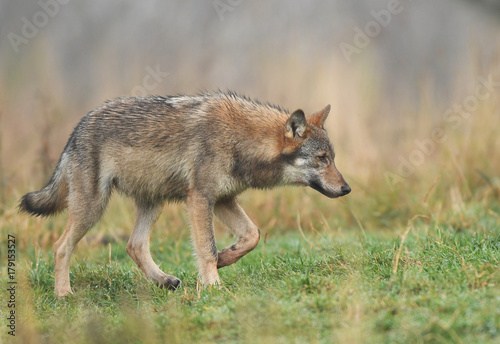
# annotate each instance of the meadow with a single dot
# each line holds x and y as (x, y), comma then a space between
(410, 256)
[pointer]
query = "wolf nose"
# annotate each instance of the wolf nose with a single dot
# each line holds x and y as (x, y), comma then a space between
(345, 189)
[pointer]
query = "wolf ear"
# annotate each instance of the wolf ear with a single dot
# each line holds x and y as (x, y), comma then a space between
(296, 126)
(318, 118)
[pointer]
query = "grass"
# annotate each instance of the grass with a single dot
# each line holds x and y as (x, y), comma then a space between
(431, 282)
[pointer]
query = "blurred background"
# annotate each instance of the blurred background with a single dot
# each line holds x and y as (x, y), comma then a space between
(391, 70)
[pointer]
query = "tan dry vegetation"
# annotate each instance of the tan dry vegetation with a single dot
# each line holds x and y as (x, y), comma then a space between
(370, 132)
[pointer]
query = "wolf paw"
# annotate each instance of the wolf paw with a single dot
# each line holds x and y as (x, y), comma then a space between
(63, 292)
(169, 282)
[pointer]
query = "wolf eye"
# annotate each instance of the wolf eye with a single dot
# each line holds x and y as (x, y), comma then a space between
(323, 158)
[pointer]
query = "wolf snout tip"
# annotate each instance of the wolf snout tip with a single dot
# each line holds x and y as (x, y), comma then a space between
(345, 189)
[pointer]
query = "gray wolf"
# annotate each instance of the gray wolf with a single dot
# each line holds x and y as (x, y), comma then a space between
(203, 150)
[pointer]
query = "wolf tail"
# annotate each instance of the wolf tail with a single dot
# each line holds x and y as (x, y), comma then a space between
(52, 198)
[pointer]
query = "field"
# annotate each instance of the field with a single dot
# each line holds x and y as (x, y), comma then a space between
(435, 280)
(412, 255)
(404, 258)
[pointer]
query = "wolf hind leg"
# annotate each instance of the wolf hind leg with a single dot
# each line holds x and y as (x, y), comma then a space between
(138, 246)
(235, 218)
(84, 211)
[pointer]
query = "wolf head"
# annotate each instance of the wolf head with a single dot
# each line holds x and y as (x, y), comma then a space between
(309, 155)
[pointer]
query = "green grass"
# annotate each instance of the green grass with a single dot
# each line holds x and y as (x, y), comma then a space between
(437, 284)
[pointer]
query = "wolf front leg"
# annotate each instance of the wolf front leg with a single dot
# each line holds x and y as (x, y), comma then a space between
(235, 219)
(201, 217)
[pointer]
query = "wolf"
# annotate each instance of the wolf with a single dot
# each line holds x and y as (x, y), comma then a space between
(203, 150)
